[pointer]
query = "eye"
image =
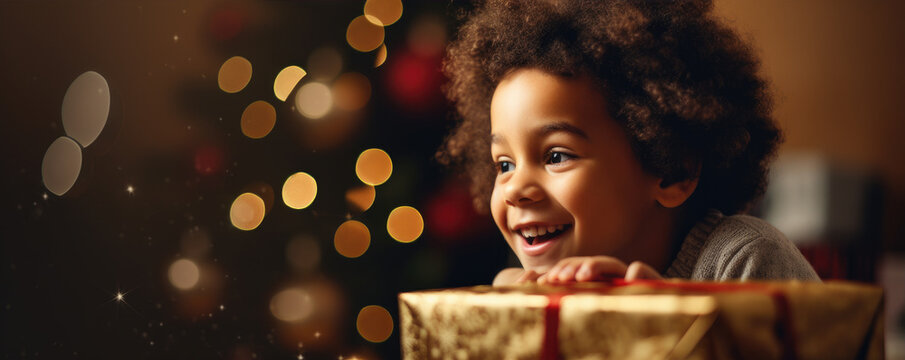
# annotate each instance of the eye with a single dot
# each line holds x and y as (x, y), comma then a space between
(557, 157)
(505, 166)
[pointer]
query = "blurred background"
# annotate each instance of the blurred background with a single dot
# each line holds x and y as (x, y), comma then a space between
(255, 179)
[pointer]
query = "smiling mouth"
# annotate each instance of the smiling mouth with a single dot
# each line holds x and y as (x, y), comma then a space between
(541, 234)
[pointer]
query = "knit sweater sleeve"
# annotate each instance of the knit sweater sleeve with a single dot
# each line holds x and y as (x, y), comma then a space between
(739, 247)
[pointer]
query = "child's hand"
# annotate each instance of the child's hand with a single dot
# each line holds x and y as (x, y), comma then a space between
(596, 268)
(512, 276)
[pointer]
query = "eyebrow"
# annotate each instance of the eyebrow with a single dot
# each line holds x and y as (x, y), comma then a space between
(548, 129)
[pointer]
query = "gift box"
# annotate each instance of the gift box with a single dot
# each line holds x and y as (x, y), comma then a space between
(645, 320)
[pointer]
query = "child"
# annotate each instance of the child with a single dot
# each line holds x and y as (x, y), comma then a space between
(619, 132)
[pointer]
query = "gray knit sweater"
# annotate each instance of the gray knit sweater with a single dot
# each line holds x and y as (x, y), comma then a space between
(738, 247)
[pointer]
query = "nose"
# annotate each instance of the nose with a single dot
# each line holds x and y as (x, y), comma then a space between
(522, 188)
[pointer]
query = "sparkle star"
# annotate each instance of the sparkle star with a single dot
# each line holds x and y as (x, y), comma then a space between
(119, 296)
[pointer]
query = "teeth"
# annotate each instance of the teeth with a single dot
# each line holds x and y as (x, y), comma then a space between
(560, 227)
(529, 232)
(541, 231)
(551, 229)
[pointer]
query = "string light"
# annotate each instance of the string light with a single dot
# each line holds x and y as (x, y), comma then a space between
(405, 224)
(374, 323)
(286, 81)
(86, 105)
(234, 74)
(247, 211)
(352, 239)
(299, 190)
(373, 166)
(61, 165)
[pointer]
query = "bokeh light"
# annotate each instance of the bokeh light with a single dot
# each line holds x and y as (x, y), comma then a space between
(413, 82)
(374, 323)
(363, 34)
(352, 239)
(85, 107)
(387, 11)
(299, 190)
(351, 91)
(234, 75)
(374, 167)
(184, 274)
(247, 211)
(381, 56)
(325, 63)
(303, 253)
(291, 305)
(258, 119)
(61, 166)
(405, 224)
(314, 100)
(286, 81)
(361, 198)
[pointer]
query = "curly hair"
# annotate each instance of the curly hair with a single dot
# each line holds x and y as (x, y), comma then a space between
(683, 86)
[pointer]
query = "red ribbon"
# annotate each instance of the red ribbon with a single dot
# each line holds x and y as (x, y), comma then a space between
(784, 329)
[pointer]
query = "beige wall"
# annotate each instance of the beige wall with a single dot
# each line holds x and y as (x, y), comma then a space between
(838, 71)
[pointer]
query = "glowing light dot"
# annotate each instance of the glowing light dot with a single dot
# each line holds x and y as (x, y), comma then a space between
(61, 165)
(352, 239)
(364, 33)
(351, 91)
(381, 56)
(374, 323)
(374, 167)
(314, 100)
(234, 75)
(119, 296)
(361, 198)
(175, 38)
(405, 224)
(130, 189)
(291, 305)
(247, 211)
(386, 12)
(86, 105)
(299, 190)
(258, 119)
(286, 81)
(184, 274)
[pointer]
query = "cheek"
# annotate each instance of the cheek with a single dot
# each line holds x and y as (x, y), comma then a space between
(498, 209)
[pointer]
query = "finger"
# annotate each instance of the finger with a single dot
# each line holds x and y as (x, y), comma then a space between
(600, 268)
(567, 272)
(527, 276)
(639, 270)
(555, 275)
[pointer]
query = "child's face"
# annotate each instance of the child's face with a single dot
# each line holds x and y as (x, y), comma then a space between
(568, 183)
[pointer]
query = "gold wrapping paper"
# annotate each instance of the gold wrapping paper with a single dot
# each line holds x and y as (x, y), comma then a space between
(674, 320)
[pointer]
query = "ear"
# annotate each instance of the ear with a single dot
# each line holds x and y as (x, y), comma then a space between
(675, 194)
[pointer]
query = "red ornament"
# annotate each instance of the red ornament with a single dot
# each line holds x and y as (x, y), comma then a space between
(414, 80)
